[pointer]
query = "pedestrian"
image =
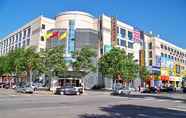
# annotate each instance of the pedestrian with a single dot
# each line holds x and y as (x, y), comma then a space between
(139, 88)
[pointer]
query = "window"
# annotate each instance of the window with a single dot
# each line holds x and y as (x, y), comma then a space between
(162, 54)
(43, 26)
(19, 45)
(161, 46)
(20, 36)
(150, 45)
(15, 46)
(169, 56)
(28, 33)
(165, 47)
(130, 45)
(17, 37)
(28, 41)
(23, 43)
(24, 34)
(150, 54)
(122, 32)
(150, 62)
(123, 43)
(117, 29)
(42, 38)
(130, 35)
(168, 49)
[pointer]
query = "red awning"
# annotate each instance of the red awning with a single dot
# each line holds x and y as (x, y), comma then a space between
(165, 78)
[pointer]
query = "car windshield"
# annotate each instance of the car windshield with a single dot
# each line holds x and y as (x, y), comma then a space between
(68, 87)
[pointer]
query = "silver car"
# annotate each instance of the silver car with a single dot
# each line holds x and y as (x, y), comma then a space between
(24, 89)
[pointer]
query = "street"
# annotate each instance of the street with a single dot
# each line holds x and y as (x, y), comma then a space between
(93, 104)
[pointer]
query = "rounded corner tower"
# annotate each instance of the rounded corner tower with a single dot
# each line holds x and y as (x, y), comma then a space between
(80, 19)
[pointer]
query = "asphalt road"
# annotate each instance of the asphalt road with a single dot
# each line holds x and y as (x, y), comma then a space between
(91, 105)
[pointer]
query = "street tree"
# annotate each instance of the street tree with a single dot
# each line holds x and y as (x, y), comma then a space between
(84, 60)
(118, 66)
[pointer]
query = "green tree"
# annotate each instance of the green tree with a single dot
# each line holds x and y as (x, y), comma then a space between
(31, 61)
(144, 73)
(54, 59)
(84, 60)
(52, 62)
(117, 65)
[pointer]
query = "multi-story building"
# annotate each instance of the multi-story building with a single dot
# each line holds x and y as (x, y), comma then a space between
(28, 35)
(101, 33)
(164, 60)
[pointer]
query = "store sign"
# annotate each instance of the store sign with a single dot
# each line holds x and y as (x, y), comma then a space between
(114, 31)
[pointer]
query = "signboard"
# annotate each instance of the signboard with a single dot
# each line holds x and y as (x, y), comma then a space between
(114, 31)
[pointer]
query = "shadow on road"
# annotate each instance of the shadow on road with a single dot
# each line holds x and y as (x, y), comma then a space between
(133, 111)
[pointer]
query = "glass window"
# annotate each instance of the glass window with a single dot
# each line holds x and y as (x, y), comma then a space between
(43, 26)
(130, 45)
(117, 29)
(130, 35)
(165, 55)
(19, 45)
(165, 47)
(28, 33)
(23, 43)
(150, 54)
(150, 45)
(28, 41)
(20, 36)
(42, 38)
(150, 62)
(118, 42)
(122, 32)
(123, 43)
(161, 46)
(17, 37)
(24, 34)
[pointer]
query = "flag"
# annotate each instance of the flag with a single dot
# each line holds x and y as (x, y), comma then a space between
(54, 35)
(47, 35)
(63, 36)
(136, 36)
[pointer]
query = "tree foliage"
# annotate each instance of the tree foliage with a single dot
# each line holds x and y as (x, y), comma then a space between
(116, 64)
(54, 59)
(84, 60)
(144, 73)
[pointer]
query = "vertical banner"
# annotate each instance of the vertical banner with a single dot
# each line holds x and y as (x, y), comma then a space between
(114, 31)
(142, 58)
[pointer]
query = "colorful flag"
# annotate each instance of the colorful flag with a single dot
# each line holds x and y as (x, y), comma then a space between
(47, 35)
(63, 36)
(54, 35)
(136, 36)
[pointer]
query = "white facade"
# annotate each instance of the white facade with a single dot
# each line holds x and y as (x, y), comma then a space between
(28, 35)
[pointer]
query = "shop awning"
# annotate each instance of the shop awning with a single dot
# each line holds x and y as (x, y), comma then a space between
(164, 78)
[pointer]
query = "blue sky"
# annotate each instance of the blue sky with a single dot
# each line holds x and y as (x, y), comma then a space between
(164, 17)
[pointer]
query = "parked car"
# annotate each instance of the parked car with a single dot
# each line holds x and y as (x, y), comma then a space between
(25, 89)
(167, 89)
(122, 91)
(150, 90)
(69, 90)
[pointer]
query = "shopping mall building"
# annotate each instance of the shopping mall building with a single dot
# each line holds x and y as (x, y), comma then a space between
(164, 60)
